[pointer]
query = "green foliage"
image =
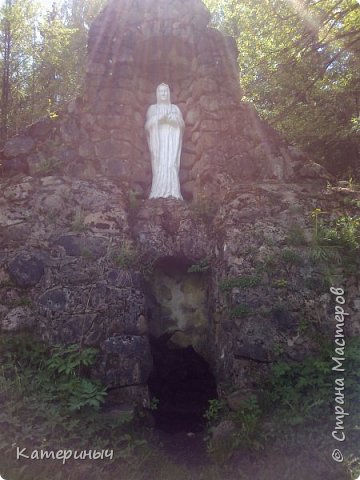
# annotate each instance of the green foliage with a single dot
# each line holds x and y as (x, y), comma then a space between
(281, 283)
(215, 409)
(352, 366)
(39, 74)
(245, 281)
(126, 256)
(49, 165)
(22, 350)
(202, 266)
(154, 403)
(239, 311)
(84, 393)
(302, 389)
(59, 372)
(337, 241)
(344, 232)
(247, 420)
(71, 359)
(298, 63)
(246, 432)
(269, 263)
(291, 257)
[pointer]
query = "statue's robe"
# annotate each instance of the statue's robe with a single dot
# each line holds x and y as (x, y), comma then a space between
(165, 139)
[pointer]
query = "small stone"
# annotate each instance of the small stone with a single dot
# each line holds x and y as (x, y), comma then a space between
(26, 270)
(18, 192)
(52, 203)
(128, 360)
(17, 318)
(55, 300)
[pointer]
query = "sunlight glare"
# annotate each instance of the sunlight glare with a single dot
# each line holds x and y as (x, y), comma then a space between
(310, 20)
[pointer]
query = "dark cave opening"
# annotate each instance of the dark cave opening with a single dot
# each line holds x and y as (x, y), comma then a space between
(183, 383)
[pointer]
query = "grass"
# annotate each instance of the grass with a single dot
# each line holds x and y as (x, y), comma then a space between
(33, 419)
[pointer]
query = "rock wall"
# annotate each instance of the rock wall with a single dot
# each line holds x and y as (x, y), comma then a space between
(81, 243)
(78, 257)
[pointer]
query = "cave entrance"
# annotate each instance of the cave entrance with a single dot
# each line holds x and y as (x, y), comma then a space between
(183, 383)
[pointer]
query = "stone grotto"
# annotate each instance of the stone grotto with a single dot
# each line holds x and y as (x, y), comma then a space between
(216, 286)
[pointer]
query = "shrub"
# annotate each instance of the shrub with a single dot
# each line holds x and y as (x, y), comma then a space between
(246, 281)
(202, 266)
(239, 311)
(289, 256)
(57, 372)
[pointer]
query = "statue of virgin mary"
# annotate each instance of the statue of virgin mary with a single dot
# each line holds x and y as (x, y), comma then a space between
(164, 127)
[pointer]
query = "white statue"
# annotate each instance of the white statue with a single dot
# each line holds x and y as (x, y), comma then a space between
(164, 127)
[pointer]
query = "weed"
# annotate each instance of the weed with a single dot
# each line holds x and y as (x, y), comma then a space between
(239, 311)
(269, 263)
(154, 403)
(291, 257)
(215, 409)
(281, 283)
(337, 242)
(202, 266)
(304, 326)
(49, 165)
(126, 256)
(321, 253)
(59, 372)
(304, 391)
(247, 420)
(51, 113)
(246, 281)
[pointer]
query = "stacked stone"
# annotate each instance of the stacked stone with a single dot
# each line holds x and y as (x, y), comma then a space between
(64, 243)
(58, 231)
(131, 51)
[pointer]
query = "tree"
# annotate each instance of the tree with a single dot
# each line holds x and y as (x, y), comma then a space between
(42, 58)
(18, 23)
(299, 63)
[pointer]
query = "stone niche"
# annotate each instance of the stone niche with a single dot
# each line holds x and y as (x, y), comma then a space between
(134, 48)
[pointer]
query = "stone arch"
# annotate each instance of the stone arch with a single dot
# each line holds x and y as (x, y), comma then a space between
(131, 51)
